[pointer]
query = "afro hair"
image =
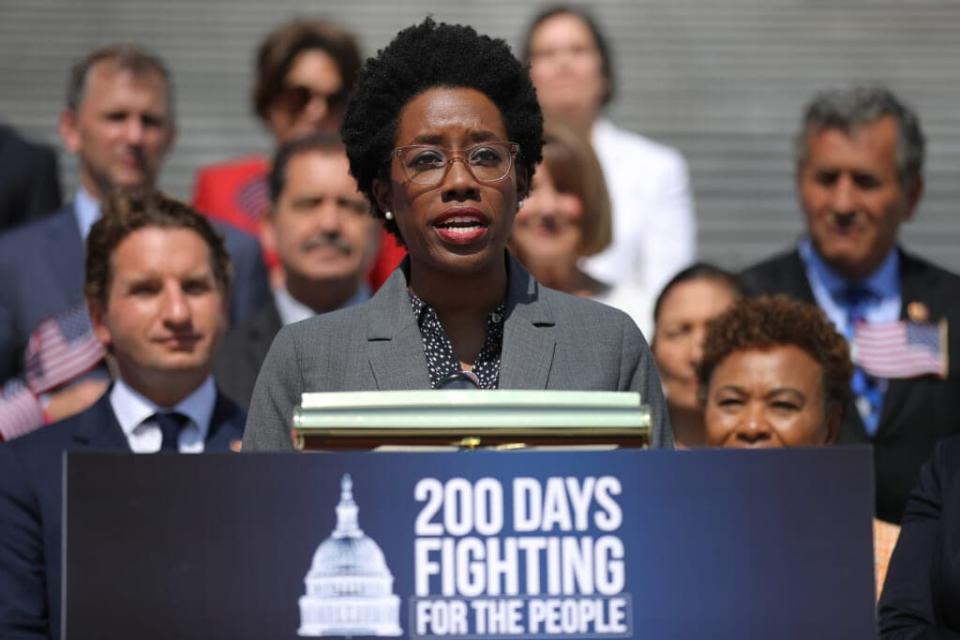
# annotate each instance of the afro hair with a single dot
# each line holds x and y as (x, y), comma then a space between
(422, 57)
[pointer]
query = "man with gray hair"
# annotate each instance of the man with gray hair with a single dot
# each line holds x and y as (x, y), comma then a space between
(859, 176)
(119, 122)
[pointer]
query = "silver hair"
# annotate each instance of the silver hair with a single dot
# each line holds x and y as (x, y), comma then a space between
(849, 109)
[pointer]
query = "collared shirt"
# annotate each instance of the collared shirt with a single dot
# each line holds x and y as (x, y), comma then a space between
(292, 310)
(829, 288)
(441, 360)
(134, 412)
(87, 211)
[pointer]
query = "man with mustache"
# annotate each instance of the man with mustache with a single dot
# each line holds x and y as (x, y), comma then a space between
(860, 155)
(321, 228)
(120, 123)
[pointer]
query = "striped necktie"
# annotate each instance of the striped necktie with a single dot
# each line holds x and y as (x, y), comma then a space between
(867, 390)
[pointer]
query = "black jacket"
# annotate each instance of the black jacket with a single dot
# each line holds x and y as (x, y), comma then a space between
(916, 412)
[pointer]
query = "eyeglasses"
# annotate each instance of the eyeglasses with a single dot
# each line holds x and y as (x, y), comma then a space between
(294, 98)
(428, 164)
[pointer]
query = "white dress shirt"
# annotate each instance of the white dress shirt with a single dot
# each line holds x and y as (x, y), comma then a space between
(654, 228)
(87, 211)
(292, 310)
(134, 412)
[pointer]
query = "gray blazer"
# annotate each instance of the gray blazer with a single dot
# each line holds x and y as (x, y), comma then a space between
(551, 340)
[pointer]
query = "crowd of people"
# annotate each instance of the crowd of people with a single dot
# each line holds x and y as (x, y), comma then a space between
(450, 215)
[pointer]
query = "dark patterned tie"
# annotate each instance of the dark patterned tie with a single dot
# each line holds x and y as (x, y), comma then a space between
(170, 423)
(868, 390)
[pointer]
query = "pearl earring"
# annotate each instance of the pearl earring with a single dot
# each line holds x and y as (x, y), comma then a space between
(388, 215)
(519, 203)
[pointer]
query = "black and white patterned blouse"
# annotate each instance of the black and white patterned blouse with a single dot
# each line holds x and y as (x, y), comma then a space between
(442, 362)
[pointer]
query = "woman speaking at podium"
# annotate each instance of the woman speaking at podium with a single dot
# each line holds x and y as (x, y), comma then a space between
(443, 133)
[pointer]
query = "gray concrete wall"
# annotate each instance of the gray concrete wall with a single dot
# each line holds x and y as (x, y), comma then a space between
(722, 80)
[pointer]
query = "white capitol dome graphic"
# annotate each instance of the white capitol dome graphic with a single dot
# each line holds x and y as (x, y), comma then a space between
(349, 587)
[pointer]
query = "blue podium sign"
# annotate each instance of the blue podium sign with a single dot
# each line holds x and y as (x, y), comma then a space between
(477, 545)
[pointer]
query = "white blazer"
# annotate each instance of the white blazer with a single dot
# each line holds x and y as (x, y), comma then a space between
(654, 228)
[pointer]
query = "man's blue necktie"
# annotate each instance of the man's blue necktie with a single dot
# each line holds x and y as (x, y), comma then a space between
(867, 390)
(170, 423)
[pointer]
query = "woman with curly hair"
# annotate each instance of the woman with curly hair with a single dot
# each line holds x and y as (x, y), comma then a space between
(775, 373)
(443, 133)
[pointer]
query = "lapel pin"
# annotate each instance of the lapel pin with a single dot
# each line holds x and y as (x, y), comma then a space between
(918, 312)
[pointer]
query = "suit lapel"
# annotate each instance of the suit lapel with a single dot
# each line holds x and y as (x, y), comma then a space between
(528, 338)
(100, 430)
(64, 250)
(526, 357)
(261, 332)
(395, 346)
(915, 286)
(394, 343)
(226, 425)
(918, 283)
(795, 280)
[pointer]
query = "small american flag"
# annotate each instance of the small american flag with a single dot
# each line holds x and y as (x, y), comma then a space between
(20, 412)
(901, 349)
(254, 198)
(60, 349)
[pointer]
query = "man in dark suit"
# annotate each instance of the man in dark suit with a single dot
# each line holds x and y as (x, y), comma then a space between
(29, 179)
(157, 280)
(860, 156)
(119, 121)
(322, 231)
